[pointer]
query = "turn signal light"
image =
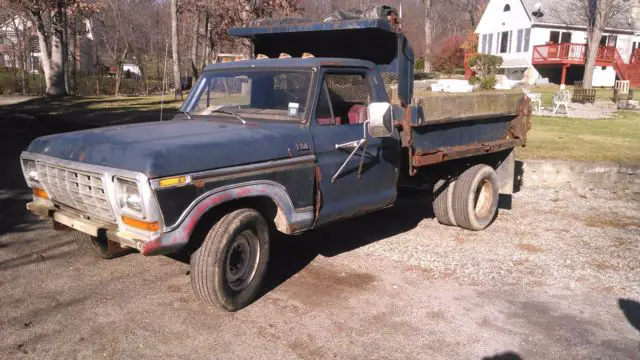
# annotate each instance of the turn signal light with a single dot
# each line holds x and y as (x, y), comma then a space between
(142, 225)
(172, 181)
(40, 193)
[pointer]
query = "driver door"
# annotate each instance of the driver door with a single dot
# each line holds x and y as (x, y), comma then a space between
(337, 124)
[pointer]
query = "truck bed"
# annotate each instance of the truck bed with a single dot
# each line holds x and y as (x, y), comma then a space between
(441, 128)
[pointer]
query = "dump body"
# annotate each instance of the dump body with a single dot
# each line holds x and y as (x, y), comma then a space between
(450, 127)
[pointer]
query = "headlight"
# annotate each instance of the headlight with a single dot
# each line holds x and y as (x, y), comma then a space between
(30, 172)
(129, 198)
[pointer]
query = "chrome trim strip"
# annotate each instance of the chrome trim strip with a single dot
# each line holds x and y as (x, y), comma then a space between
(278, 186)
(239, 171)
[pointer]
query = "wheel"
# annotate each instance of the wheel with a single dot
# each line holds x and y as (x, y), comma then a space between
(96, 246)
(443, 202)
(228, 269)
(475, 198)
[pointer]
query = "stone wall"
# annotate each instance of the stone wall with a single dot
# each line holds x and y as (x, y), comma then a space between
(582, 175)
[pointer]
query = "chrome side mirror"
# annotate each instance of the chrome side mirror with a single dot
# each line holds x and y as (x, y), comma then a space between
(380, 115)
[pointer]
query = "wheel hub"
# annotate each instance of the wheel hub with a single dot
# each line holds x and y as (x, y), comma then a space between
(242, 260)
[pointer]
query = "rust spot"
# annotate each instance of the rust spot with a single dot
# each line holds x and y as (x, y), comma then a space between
(199, 184)
(318, 197)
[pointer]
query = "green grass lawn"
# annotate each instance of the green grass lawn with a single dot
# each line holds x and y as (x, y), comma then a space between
(616, 139)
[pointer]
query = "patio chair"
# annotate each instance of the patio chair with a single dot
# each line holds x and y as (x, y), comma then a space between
(536, 99)
(561, 98)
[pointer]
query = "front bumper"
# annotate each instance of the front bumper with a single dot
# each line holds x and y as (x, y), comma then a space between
(63, 220)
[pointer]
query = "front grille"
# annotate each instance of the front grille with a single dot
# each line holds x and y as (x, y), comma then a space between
(79, 190)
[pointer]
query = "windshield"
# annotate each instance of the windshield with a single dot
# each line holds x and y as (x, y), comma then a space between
(261, 94)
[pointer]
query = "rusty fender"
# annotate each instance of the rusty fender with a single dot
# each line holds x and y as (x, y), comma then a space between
(288, 220)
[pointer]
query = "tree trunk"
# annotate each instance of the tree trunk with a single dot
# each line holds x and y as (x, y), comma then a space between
(65, 50)
(174, 49)
(45, 50)
(428, 34)
(55, 76)
(119, 69)
(593, 44)
(73, 56)
(207, 41)
(194, 47)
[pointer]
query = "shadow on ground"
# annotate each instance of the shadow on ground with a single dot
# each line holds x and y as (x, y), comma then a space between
(631, 310)
(290, 254)
(509, 355)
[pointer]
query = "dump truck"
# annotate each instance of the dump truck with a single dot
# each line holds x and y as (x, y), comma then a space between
(320, 125)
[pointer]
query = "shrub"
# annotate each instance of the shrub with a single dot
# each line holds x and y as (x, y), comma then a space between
(470, 44)
(485, 66)
(446, 54)
(488, 82)
(419, 64)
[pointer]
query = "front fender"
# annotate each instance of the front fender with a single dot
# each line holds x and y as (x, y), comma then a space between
(288, 220)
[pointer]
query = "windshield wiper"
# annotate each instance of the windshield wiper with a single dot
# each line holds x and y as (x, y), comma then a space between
(243, 121)
(186, 113)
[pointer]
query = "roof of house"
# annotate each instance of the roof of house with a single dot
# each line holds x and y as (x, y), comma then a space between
(560, 12)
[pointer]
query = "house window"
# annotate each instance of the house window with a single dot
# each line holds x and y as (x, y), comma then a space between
(483, 45)
(504, 42)
(507, 8)
(565, 37)
(527, 39)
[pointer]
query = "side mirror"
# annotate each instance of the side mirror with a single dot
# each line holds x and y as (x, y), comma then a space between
(380, 115)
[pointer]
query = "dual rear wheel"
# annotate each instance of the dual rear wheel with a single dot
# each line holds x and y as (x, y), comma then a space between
(470, 201)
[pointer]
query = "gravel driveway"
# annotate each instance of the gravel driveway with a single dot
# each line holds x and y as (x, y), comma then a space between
(557, 277)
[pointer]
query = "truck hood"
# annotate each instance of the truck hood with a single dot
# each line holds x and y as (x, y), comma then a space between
(167, 148)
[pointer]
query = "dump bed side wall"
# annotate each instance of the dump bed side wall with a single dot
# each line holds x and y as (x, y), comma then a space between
(462, 125)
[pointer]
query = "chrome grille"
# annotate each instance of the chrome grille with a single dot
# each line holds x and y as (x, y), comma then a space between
(79, 190)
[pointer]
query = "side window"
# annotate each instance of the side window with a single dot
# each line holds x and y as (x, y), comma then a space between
(348, 97)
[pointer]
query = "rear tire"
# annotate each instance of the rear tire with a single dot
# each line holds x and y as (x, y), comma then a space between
(228, 269)
(443, 202)
(475, 198)
(92, 245)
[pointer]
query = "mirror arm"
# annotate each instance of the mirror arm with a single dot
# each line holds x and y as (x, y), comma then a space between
(362, 142)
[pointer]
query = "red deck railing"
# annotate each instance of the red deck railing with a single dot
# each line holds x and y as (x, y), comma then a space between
(575, 54)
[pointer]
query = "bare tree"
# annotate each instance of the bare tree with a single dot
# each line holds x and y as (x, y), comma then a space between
(428, 32)
(597, 15)
(174, 49)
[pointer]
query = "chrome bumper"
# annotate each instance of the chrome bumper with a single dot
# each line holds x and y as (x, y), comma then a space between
(63, 220)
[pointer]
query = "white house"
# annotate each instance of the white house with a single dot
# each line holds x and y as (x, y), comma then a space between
(544, 39)
(10, 29)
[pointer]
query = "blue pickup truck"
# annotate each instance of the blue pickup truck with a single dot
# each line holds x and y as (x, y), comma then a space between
(309, 131)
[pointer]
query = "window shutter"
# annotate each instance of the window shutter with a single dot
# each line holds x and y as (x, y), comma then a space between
(510, 41)
(527, 38)
(519, 41)
(490, 44)
(483, 46)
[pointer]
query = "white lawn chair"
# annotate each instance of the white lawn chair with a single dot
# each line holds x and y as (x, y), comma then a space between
(561, 98)
(536, 99)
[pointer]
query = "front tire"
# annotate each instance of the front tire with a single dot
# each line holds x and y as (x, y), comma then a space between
(475, 198)
(228, 269)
